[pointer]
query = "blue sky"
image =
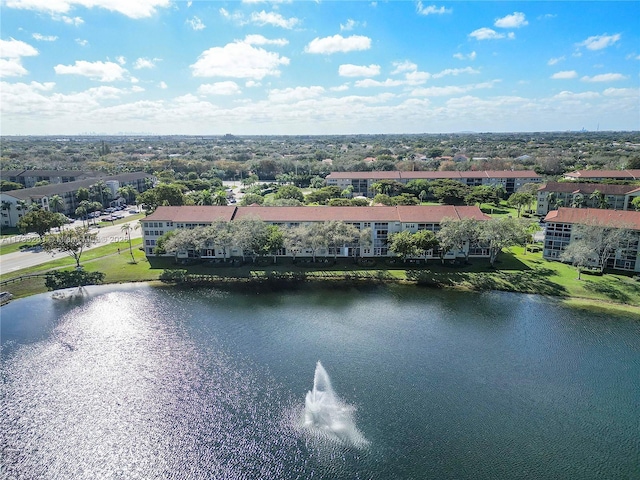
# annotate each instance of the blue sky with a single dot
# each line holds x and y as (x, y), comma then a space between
(326, 67)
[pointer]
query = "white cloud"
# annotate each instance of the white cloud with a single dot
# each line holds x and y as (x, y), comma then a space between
(338, 43)
(515, 20)
(252, 84)
(598, 42)
(81, 42)
(450, 90)
(554, 61)
(238, 60)
(416, 77)
(144, 63)
(16, 49)
(349, 70)
(350, 25)
(340, 88)
(163, 85)
(219, 88)
(101, 71)
(196, 24)
(44, 38)
(431, 10)
(620, 92)
(260, 40)
(296, 94)
(566, 95)
(11, 53)
(274, 19)
(405, 66)
(121, 60)
(604, 77)
(367, 83)
(485, 33)
(137, 9)
(564, 75)
(455, 72)
(11, 67)
(468, 56)
(75, 21)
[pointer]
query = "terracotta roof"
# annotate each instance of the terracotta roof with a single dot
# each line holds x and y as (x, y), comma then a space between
(587, 188)
(405, 214)
(629, 174)
(595, 216)
(192, 214)
(377, 175)
(435, 214)
(430, 174)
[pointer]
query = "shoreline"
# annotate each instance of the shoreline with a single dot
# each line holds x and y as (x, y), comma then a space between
(516, 272)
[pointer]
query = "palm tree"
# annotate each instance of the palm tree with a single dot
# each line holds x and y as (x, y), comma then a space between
(599, 198)
(6, 205)
(578, 201)
(126, 229)
(56, 202)
(127, 192)
(205, 198)
(220, 198)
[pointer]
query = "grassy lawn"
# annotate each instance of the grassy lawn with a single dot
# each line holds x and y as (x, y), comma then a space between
(18, 246)
(515, 271)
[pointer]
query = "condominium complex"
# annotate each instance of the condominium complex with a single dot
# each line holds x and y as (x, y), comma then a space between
(380, 220)
(362, 182)
(561, 231)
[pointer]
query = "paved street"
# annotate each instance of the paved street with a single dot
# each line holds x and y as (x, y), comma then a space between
(106, 234)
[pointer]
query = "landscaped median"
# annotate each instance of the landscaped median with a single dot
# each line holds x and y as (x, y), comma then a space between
(516, 271)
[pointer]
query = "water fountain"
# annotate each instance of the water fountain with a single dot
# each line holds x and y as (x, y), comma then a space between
(327, 416)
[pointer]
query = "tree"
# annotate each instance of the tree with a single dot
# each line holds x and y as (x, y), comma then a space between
(7, 186)
(56, 203)
(519, 200)
(294, 240)
(82, 194)
(425, 241)
(316, 182)
(603, 241)
(599, 198)
(251, 198)
(100, 192)
(458, 235)
(636, 203)
(38, 221)
(128, 192)
(578, 201)
(274, 241)
(340, 234)
(6, 205)
(220, 198)
(579, 254)
(481, 194)
(289, 192)
(449, 192)
(402, 244)
(126, 229)
(387, 187)
(72, 242)
(499, 233)
(382, 199)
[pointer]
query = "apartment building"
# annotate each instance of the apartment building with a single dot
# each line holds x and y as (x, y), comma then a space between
(381, 220)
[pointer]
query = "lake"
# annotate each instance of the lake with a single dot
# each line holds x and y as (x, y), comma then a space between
(134, 381)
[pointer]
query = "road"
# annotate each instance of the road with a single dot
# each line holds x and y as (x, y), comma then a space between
(106, 234)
